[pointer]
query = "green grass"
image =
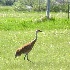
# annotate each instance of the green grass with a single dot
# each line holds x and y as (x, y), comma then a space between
(51, 51)
(22, 24)
(33, 20)
(4, 9)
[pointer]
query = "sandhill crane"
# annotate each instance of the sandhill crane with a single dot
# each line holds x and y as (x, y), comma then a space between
(25, 49)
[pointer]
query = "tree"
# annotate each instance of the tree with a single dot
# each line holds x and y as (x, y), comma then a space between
(6, 2)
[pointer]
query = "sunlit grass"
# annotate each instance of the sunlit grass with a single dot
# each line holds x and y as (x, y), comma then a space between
(21, 24)
(31, 20)
(51, 50)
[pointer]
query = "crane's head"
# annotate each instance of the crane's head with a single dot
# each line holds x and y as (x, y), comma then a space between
(38, 31)
(18, 53)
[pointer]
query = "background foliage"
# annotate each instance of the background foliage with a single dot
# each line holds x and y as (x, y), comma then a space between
(36, 5)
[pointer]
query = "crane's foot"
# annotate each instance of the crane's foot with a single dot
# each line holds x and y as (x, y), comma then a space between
(28, 60)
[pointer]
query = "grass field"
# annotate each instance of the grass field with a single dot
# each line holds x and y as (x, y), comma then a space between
(51, 51)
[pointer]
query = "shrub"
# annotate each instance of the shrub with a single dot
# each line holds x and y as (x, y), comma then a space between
(59, 7)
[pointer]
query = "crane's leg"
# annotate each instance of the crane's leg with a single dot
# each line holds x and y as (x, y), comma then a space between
(25, 56)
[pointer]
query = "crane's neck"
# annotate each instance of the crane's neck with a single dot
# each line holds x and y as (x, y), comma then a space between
(36, 35)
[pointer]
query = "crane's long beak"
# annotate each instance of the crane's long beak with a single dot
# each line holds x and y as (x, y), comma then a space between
(15, 55)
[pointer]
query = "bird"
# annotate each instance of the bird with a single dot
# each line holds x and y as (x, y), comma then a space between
(26, 48)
